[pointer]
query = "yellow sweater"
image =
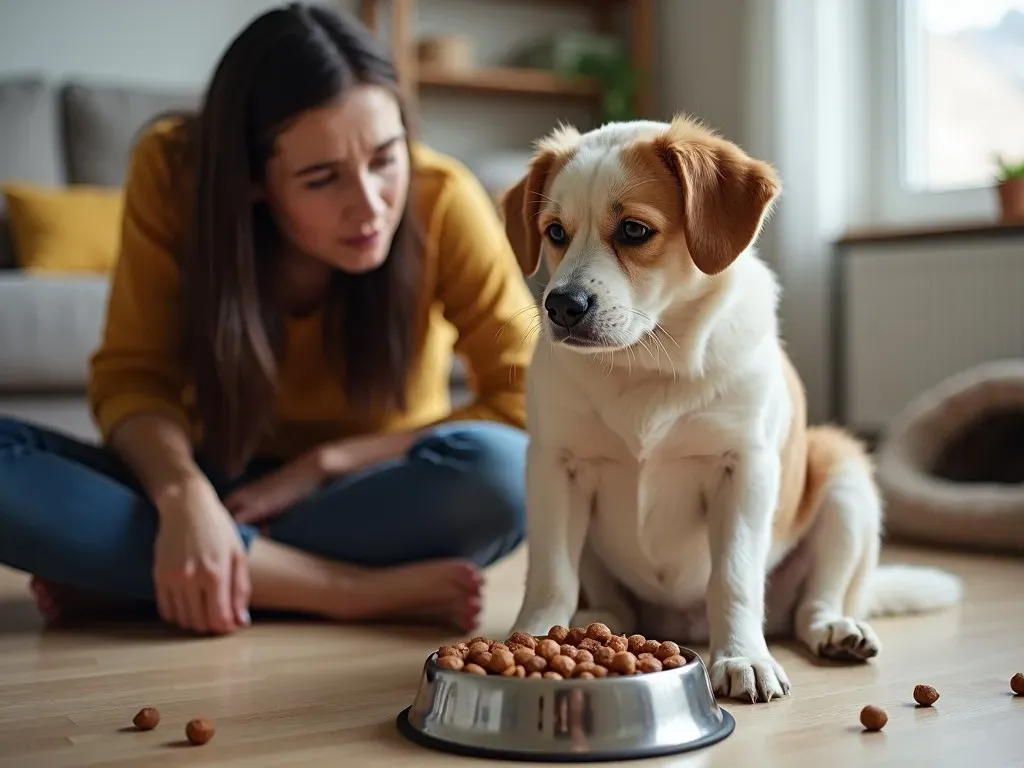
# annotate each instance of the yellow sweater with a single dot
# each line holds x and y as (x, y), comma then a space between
(473, 297)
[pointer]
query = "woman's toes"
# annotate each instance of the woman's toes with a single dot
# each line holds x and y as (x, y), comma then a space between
(470, 613)
(46, 602)
(467, 577)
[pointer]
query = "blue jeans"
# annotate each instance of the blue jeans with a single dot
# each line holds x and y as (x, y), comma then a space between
(73, 513)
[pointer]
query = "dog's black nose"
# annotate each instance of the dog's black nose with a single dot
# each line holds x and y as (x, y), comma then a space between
(567, 307)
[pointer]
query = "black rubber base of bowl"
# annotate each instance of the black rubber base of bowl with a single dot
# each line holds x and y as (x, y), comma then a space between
(417, 737)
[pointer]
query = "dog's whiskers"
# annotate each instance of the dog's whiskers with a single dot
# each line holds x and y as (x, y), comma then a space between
(661, 329)
(656, 332)
(517, 313)
(535, 326)
(655, 358)
(529, 331)
(667, 355)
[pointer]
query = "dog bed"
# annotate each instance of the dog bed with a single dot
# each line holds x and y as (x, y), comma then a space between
(951, 468)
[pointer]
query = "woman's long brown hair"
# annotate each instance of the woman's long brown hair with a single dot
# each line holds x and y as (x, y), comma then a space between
(284, 63)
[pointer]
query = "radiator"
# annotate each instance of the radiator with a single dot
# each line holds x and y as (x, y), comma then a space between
(913, 313)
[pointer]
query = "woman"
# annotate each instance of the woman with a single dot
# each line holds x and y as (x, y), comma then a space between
(272, 384)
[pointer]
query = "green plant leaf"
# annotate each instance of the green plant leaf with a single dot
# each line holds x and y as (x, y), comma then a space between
(601, 58)
(1009, 171)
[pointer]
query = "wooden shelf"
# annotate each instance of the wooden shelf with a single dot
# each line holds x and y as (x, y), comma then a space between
(511, 81)
(507, 80)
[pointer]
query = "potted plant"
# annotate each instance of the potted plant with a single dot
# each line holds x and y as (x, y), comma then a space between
(584, 54)
(1010, 180)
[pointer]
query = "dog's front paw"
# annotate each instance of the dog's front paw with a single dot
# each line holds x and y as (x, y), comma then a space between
(754, 679)
(842, 639)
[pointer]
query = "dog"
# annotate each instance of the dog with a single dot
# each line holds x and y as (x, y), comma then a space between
(672, 477)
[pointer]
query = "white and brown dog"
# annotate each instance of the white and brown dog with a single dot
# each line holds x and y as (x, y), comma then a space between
(671, 475)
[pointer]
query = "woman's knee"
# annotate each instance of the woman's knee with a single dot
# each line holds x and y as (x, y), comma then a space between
(17, 438)
(483, 446)
(484, 466)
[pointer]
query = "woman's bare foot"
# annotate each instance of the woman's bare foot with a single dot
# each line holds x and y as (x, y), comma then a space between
(47, 601)
(445, 592)
(438, 591)
(60, 602)
(462, 610)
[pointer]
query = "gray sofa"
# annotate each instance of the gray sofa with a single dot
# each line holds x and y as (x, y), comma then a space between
(66, 133)
(54, 134)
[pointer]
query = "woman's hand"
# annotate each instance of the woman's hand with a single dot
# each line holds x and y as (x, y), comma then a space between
(201, 570)
(271, 495)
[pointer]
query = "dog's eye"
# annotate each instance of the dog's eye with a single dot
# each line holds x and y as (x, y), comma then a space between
(556, 234)
(634, 233)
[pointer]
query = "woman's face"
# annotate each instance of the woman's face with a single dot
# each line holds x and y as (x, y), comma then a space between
(338, 181)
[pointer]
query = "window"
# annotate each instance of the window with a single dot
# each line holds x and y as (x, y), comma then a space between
(964, 90)
(948, 83)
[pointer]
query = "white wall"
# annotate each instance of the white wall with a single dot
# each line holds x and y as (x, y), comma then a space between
(173, 43)
(176, 43)
(703, 64)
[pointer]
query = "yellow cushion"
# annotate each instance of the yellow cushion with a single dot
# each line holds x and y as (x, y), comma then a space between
(65, 229)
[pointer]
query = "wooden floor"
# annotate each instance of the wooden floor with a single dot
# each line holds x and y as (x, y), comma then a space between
(306, 694)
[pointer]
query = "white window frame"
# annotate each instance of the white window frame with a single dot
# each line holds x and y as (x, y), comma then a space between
(890, 59)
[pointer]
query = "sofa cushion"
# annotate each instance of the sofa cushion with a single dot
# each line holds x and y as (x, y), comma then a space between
(51, 325)
(74, 228)
(29, 142)
(101, 123)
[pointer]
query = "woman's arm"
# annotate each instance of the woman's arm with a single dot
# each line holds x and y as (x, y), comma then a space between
(160, 456)
(486, 298)
(137, 374)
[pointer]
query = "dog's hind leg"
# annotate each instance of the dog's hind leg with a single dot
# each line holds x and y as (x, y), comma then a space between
(844, 544)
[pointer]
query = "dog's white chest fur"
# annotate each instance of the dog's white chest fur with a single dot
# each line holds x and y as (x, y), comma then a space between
(648, 470)
(649, 527)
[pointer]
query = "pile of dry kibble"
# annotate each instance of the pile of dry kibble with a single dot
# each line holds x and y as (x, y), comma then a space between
(585, 654)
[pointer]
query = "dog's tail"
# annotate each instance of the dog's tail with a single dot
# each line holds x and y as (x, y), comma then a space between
(904, 589)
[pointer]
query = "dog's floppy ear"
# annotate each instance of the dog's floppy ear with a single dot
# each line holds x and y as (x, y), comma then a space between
(513, 203)
(727, 194)
(521, 203)
(520, 206)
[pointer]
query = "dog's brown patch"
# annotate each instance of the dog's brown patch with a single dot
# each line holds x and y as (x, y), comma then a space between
(810, 459)
(726, 194)
(521, 204)
(795, 514)
(649, 194)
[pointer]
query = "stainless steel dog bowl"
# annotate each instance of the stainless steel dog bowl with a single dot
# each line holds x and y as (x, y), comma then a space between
(613, 718)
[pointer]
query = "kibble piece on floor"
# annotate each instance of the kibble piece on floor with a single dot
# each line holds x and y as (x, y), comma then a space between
(925, 695)
(1017, 684)
(147, 719)
(873, 718)
(199, 731)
